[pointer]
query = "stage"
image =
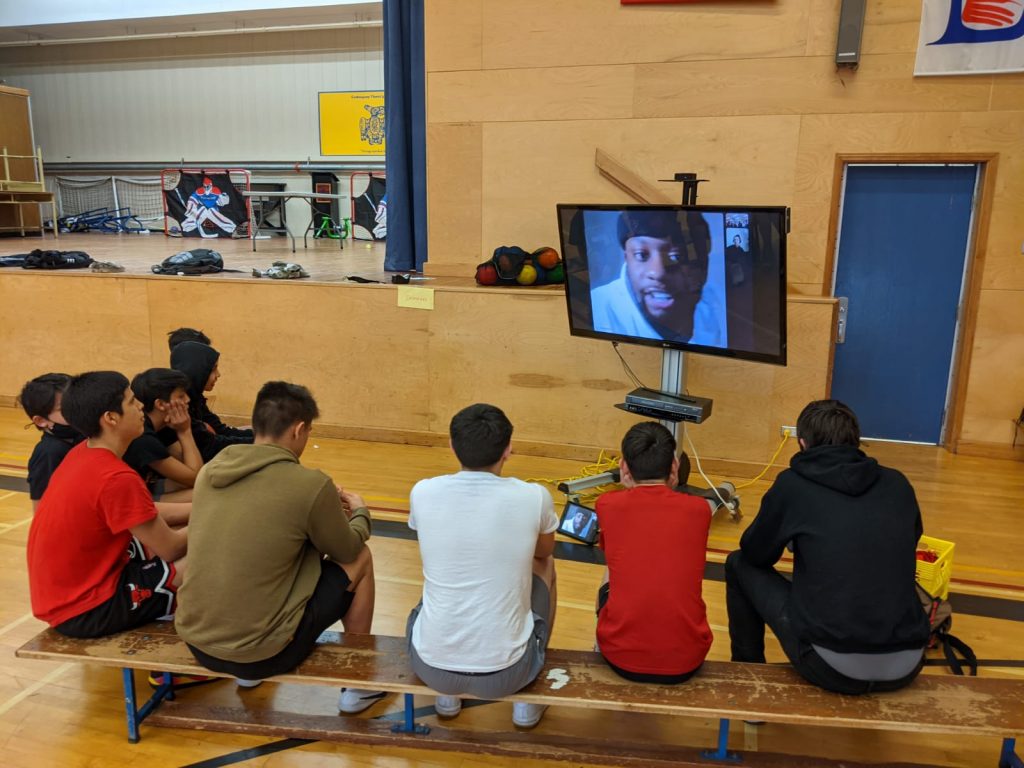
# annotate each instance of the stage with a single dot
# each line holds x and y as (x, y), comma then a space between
(382, 367)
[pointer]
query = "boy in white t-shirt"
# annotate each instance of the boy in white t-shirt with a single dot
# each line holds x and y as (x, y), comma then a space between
(487, 545)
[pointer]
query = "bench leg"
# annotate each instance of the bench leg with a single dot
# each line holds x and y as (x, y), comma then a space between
(1008, 758)
(722, 753)
(128, 678)
(135, 714)
(410, 725)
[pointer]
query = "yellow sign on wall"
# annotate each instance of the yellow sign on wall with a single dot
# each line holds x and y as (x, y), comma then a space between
(352, 123)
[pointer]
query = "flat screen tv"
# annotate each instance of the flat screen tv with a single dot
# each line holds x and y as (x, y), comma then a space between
(705, 279)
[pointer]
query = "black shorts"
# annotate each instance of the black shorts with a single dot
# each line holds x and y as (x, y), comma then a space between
(329, 603)
(144, 593)
(639, 677)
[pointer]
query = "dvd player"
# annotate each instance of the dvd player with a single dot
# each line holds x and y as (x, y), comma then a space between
(650, 402)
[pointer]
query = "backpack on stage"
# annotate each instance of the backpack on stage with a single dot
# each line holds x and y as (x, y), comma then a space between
(198, 261)
(940, 619)
(40, 259)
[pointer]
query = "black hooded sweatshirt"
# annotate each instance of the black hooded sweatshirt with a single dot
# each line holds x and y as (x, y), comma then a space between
(854, 526)
(197, 361)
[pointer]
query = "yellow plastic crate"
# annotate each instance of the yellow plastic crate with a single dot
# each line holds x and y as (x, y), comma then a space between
(934, 577)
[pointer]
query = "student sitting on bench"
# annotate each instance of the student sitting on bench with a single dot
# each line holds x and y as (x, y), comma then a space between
(487, 546)
(164, 398)
(277, 552)
(41, 400)
(652, 534)
(850, 620)
(88, 567)
(200, 363)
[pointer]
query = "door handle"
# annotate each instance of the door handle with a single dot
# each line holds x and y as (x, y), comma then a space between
(844, 307)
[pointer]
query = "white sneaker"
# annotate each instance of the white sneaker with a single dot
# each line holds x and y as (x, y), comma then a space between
(447, 706)
(353, 700)
(527, 715)
(243, 683)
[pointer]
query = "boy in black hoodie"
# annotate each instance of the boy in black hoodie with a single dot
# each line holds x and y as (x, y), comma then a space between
(850, 621)
(199, 362)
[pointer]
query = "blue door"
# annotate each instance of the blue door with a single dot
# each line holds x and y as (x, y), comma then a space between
(902, 249)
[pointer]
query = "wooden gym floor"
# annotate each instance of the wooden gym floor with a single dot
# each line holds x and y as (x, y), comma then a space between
(70, 715)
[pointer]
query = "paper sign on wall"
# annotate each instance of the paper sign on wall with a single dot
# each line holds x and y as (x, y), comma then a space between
(415, 298)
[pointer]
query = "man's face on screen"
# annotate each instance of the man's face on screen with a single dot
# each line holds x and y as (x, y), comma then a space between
(666, 286)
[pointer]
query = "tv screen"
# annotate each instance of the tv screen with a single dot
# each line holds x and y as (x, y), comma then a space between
(706, 279)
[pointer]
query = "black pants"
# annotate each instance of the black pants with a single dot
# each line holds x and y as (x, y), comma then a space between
(329, 603)
(758, 596)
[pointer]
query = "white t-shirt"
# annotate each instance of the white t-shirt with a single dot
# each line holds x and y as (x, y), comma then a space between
(477, 535)
(615, 310)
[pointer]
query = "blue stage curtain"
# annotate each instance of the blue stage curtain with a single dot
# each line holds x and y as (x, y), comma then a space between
(406, 135)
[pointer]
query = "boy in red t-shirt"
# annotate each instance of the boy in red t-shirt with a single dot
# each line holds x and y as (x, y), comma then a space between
(89, 574)
(651, 621)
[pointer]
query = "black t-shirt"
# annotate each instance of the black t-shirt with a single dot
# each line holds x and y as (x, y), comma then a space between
(46, 457)
(147, 449)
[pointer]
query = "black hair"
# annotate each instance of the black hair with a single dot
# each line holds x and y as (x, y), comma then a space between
(178, 335)
(90, 395)
(828, 422)
(157, 384)
(39, 395)
(691, 232)
(648, 449)
(279, 405)
(480, 434)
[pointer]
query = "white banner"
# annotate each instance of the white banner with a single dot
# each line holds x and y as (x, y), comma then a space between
(967, 37)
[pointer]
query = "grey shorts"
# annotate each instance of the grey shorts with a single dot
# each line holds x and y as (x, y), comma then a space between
(491, 685)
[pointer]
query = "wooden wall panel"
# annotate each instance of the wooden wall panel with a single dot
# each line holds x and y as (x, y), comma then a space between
(529, 167)
(1008, 92)
(452, 35)
(364, 370)
(753, 400)
(454, 169)
(570, 93)
(889, 27)
(570, 33)
(514, 350)
(383, 372)
(800, 85)
(995, 388)
(70, 323)
(748, 96)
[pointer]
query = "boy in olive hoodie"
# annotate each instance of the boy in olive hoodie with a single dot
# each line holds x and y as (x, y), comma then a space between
(279, 552)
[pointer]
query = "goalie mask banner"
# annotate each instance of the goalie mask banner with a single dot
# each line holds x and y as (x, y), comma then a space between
(969, 37)
(369, 207)
(206, 205)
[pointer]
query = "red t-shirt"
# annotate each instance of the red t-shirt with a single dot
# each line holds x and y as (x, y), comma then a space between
(78, 542)
(654, 540)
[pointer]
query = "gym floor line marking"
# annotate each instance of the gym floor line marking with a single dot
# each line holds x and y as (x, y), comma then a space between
(16, 623)
(19, 697)
(11, 526)
(13, 457)
(8, 495)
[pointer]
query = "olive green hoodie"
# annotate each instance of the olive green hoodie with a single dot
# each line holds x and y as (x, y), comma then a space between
(260, 524)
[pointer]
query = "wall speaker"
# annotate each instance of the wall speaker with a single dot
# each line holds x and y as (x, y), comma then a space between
(851, 27)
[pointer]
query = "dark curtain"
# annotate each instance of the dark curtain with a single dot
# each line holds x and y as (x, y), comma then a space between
(406, 135)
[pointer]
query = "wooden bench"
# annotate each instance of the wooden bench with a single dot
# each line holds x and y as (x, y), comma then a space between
(724, 690)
